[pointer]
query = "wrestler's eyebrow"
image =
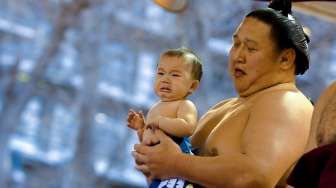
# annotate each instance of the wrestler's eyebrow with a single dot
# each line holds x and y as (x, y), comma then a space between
(247, 40)
(251, 41)
(234, 36)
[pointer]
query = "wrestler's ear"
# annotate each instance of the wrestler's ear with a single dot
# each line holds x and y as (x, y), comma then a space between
(194, 85)
(287, 58)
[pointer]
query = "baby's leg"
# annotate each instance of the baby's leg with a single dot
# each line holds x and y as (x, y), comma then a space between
(149, 138)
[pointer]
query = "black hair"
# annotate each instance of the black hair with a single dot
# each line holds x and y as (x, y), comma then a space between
(196, 62)
(286, 31)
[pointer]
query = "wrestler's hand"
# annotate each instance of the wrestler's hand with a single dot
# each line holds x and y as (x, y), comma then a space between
(160, 159)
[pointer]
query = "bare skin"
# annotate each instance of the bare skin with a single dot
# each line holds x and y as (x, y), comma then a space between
(323, 120)
(248, 141)
(173, 114)
(176, 118)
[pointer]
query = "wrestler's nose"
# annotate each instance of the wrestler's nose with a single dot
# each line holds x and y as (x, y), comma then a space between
(239, 56)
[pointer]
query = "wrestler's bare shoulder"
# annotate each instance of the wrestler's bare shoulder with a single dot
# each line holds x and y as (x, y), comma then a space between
(222, 103)
(288, 99)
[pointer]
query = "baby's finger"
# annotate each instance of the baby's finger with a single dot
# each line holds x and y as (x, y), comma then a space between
(142, 115)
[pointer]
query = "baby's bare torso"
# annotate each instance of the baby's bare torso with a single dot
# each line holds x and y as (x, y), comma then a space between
(165, 109)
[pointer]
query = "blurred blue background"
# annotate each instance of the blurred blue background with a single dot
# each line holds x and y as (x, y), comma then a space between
(71, 69)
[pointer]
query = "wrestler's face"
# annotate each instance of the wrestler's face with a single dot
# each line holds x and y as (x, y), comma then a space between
(173, 79)
(253, 57)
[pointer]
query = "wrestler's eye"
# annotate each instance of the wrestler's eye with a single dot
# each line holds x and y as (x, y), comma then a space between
(251, 49)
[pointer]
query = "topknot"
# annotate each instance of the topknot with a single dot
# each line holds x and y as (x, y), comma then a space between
(284, 6)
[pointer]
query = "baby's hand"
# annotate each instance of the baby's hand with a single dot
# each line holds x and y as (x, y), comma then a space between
(135, 120)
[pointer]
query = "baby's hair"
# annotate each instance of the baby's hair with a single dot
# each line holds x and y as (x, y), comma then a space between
(189, 55)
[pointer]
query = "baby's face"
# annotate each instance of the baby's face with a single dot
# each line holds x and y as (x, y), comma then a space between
(173, 78)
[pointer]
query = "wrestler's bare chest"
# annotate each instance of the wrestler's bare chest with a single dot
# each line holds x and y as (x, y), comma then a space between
(221, 129)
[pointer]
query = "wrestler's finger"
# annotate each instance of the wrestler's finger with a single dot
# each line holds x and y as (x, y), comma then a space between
(143, 168)
(161, 135)
(140, 148)
(139, 158)
(151, 177)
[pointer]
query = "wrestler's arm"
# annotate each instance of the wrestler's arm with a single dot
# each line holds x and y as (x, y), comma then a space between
(275, 136)
(185, 122)
(319, 107)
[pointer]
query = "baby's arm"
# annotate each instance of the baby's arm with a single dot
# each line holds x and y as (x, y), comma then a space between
(185, 122)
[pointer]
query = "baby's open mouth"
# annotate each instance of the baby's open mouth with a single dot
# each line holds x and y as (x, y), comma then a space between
(165, 89)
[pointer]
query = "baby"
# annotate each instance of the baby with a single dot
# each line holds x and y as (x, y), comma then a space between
(178, 75)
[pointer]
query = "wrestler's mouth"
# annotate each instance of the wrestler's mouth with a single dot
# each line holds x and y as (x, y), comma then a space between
(239, 72)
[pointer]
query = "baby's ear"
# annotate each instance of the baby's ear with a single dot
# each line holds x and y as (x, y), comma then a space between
(194, 85)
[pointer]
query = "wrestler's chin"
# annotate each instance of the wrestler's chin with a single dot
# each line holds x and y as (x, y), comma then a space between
(241, 84)
(242, 89)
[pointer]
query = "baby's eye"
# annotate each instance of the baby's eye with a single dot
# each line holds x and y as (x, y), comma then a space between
(175, 75)
(160, 73)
